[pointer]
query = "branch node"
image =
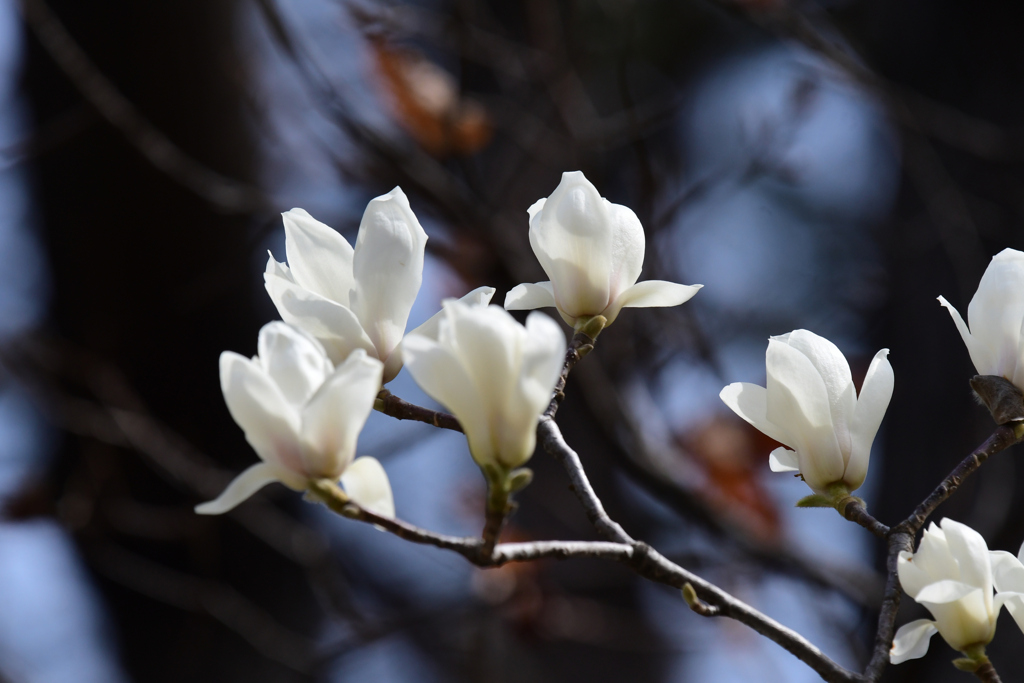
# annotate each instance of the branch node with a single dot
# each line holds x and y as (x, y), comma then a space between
(696, 604)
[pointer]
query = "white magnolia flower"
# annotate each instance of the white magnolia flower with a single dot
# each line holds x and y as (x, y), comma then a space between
(952, 575)
(352, 298)
(593, 252)
(811, 406)
(996, 315)
(495, 375)
(302, 417)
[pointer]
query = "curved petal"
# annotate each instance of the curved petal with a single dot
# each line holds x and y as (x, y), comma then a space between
(1014, 603)
(319, 257)
(270, 424)
(750, 402)
(980, 356)
(944, 592)
(628, 245)
(872, 403)
(388, 269)
(911, 641)
(1007, 572)
(481, 296)
(972, 555)
(295, 361)
(241, 488)
(528, 296)
(834, 370)
(649, 294)
(336, 413)
(783, 460)
(571, 235)
(997, 309)
(913, 577)
(798, 400)
(366, 483)
(333, 325)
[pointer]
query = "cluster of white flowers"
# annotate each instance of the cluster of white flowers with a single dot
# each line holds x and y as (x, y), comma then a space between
(304, 398)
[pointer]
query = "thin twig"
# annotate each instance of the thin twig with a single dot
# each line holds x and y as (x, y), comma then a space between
(986, 672)
(389, 404)
(580, 346)
(898, 542)
(1001, 439)
(855, 512)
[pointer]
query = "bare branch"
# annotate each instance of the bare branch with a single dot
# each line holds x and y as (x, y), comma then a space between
(855, 512)
(389, 404)
(898, 541)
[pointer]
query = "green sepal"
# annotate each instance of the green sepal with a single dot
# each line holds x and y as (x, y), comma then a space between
(815, 500)
(519, 479)
(966, 664)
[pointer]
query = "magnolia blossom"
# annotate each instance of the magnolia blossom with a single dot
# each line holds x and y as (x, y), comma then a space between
(811, 406)
(593, 251)
(352, 298)
(302, 417)
(950, 574)
(495, 375)
(996, 315)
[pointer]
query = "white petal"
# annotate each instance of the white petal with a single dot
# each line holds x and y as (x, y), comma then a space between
(913, 577)
(971, 553)
(650, 294)
(481, 296)
(295, 361)
(366, 482)
(528, 296)
(388, 269)
(750, 402)
(333, 325)
(911, 641)
(783, 460)
(320, 259)
(944, 592)
(798, 401)
(628, 245)
(241, 487)
(270, 424)
(1014, 603)
(872, 403)
(980, 356)
(336, 413)
(1007, 572)
(831, 364)
(571, 236)
(439, 373)
(996, 311)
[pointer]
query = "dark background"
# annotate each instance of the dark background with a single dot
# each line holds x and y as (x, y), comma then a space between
(156, 173)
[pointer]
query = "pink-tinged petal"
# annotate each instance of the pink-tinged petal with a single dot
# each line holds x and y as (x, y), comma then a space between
(650, 294)
(872, 403)
(366, 483)
(911, 641)
(243, 486)
(295, 361)
(333, 325)
(388, 269)
(320, 259)
(528, 296)
(336, 413)
(798, 401)
(831, 364)
(750, 402)
(270, 423)
(783, 460)
(980, 356)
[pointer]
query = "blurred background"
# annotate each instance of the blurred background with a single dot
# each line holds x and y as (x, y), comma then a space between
(832, 165)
